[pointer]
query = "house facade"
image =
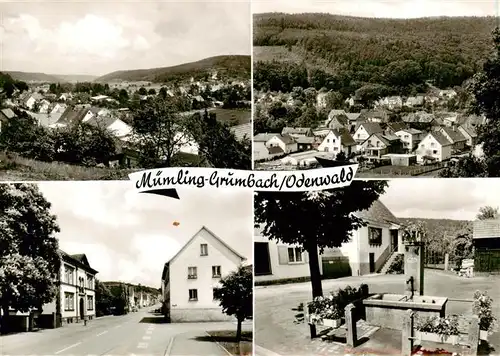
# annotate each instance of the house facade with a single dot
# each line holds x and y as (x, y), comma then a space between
(486, 239)
(277, 261)
(368, 251)
(336, 141)
(189, 278)
(434, 146)
(410, 139)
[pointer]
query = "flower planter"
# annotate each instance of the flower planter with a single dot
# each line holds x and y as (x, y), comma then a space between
(483, 335)
(333, 323)
(433, 337)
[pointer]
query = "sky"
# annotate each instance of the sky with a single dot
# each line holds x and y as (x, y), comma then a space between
(382, 8)
(458, 199)
(103, 36)
(128, 236)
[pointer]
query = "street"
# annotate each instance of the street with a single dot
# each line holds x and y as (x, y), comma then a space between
(140, 333)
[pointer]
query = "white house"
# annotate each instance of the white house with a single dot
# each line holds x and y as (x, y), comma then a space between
(277, 261)
(336, 142)
(469, 133)
(189, 278)
(434, 146)
(410, 138)
(371, 246)
(365, 130)
(267, 146)
(75, 296)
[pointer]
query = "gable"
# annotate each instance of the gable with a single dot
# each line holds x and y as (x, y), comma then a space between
(373, 140)
(213, 241)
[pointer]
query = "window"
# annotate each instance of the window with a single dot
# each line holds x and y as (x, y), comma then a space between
(68, 275)
(295, 254)
(216, 272)
(434, 152)
(193, 295)
(203, 250)
(433, 144)
(69, 301)
(90, 282)
(192, 272)
(90, 302)
(374, 236)
(213, 294)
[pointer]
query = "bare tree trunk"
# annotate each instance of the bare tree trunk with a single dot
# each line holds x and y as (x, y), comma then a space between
(312, 250)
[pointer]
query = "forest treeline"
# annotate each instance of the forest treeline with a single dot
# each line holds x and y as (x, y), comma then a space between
(346, 53)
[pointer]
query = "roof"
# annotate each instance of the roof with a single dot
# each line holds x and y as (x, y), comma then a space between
(353, 116)
(242, 131)
(396, 126)
(440, 138)
(377, 212)
(336, 112)
(101, 122)
(484, 229)
(469, 130)
(72, 116)
(295, 130)
(371, 127)
(412, 131)
(263, 137)
(305, 139)
(454, 135)
(345, 138)
(275, 150)
(79, 260)
(9, 114)
(214, 236)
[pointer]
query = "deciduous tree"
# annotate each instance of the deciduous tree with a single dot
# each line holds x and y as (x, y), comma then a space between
(315, 220)
(29, 259)
(235, 295)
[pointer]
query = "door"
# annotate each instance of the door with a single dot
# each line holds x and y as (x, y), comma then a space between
(394, 240)
(82, 308)
(372, 262)
(262, 263)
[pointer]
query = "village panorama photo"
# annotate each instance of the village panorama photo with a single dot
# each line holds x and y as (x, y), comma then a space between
(94, 90)
(114, 272)
(403, 88)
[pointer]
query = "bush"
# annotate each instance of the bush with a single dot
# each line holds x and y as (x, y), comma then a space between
(445, 326)
(482, 308)
(397, 266)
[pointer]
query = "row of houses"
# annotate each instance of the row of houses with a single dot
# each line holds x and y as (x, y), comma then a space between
(371, 138)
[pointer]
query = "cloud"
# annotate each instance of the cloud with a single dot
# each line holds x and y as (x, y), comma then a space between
(100, 37)
(129, 236)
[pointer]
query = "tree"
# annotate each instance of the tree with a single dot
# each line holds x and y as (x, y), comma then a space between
(334, 100)
(218, 145)
(236, 295)
(315, 220)
(152, 91)
(142, 91)
(29, 259)
(486, 89)
(103, 299)
(487, 212)
(160, 133)
(467, 166)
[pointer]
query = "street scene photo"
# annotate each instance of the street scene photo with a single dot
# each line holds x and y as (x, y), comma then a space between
(403, 88)
(94, 90)
(382, 267)
(95, 268)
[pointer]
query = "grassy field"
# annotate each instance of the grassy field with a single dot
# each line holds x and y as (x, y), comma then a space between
(229, 115)
(16, 168)
(276, 53)
(227, 340)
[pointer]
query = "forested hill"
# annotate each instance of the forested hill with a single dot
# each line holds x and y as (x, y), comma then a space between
(230, 66)
(446, 50)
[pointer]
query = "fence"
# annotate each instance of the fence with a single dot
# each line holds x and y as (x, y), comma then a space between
(393, 171)
(440, 260)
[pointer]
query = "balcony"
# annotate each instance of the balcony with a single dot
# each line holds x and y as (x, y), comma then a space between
(81, 290)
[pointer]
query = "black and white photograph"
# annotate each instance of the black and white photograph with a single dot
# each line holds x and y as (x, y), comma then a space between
(382, 267)
(403, 88)
(113, 272)
(90, 90)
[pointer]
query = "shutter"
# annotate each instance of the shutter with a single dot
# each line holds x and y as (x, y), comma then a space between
(283, 255)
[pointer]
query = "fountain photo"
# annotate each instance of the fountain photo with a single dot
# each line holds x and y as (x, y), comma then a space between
(379, 267)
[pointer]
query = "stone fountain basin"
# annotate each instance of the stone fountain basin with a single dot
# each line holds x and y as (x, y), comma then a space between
(388, 310)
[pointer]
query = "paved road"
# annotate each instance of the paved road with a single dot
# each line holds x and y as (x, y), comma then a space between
(141, 333)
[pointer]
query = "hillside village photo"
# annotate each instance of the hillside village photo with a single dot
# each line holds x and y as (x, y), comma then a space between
(389, 274)
(88, 107)
(402, 95)
(114, 272)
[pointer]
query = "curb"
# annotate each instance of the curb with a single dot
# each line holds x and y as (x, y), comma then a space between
(220, 346)
(260, 351)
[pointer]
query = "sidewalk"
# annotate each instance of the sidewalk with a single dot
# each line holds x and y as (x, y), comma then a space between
(195, 343)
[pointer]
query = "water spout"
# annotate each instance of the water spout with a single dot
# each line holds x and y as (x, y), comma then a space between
(412, 289)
